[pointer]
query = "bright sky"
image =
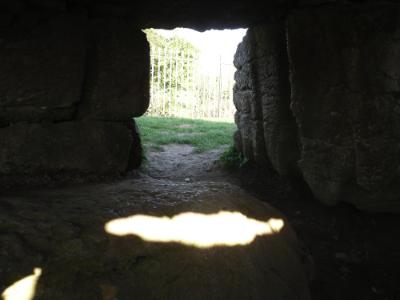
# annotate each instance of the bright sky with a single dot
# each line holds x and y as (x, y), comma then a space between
(211, 43)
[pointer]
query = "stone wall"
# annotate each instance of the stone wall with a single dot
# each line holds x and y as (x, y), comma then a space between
(206, 14)
(69, 87)
(317, 88)
(267, 129)
(344, 95)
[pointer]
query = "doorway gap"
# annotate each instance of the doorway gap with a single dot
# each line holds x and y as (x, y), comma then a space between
(190, 120)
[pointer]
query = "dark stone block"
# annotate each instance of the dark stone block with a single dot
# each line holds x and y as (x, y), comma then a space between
(70, 147)
(42, 67)
(345, 96)
(262, 91)
(117, 76)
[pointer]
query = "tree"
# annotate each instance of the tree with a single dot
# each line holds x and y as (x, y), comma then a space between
(173, 61)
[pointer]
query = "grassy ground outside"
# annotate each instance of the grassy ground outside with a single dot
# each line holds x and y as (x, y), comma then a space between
(202, 134)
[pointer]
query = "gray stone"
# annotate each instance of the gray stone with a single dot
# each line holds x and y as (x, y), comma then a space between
(243, 53)
(242, 100)
(117, 76)
(69, 147)
(237, 140)
(272, 73)
(68, 227)
(243, 78)
(15, 6)
(262, 93)
(258, 143)
(57, 69)
(345, 95)
(246, 133)
(32, 113)
(52, 5)
(42, 67)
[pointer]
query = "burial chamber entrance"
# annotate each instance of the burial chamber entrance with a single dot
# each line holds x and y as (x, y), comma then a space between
(75, 82)
(190, 120)
(305, 118)
(307, 106)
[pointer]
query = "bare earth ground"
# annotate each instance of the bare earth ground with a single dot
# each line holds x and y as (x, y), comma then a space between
(356, 255)
(62, 231)
(182, 162)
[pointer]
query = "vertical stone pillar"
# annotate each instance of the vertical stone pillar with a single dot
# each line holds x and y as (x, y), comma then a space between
(262, 98)
(345, 83)
(69, 88)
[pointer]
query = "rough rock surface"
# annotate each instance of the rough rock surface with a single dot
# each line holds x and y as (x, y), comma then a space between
(66, 146)
(337, 122)
(37, 154)
(345, 96)
(117, 79)
(62, 232)
(42, 69)
(170, 14)
(69, 88)
(68, 61)
(262, 96)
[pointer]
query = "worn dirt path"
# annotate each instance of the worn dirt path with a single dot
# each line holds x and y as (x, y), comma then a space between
(65, 234)
(356, 255)
(184, 163)
(61, 230)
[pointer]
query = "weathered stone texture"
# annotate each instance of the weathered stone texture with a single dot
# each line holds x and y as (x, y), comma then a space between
(78, 147)
(69, 84)
(65, 227)
(42, 66)
(337, 122)
(117, 81)
(262, 95)
(345, 96)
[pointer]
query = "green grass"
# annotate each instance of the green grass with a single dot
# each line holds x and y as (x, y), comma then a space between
(204, 135)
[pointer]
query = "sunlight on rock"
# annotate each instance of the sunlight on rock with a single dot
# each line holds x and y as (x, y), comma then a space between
(23, 289)
(200, 230)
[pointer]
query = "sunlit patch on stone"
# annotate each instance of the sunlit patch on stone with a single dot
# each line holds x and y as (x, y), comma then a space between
(23, 289)
(195, 229)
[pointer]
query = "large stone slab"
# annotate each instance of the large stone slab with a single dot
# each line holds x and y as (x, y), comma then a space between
(345, 96)
(42, 67)
(117, 74)
(67, 147)
(205, 240)
(272, 73)
(262, 99)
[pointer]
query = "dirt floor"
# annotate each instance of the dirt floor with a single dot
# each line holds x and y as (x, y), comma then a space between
(356, 255)
(183, 162)
(63, 236)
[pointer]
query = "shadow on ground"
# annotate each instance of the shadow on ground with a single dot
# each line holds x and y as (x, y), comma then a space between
(356, 254)
(62, 232)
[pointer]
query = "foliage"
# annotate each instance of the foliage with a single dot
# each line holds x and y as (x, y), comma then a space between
(181, 85)
(169, 54)
(157, 40)
(204, 135)
(231, 158)
(154, 38)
